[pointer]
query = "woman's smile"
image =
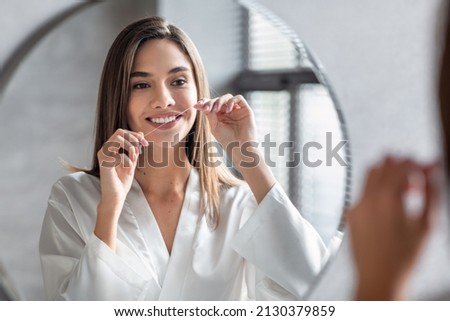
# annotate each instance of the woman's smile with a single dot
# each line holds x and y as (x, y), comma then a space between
(164, 121)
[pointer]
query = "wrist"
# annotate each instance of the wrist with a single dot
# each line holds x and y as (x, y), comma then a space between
(107, 211)
(249, 161)
(110, 204)
(245, 155)
(107, 221)
(382, 289)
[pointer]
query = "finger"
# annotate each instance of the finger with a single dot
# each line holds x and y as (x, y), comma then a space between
(220, 103)
(230, 106)
(208, 104)
(124, 143)
(135, 138)
(126, 139)
(398, 175)
(119, 159)
(431, 196)
(237, 102)
(201, 104)
(108, 156)
(390, 160)
(141, 137)
(388, 182)
(374, 178)
(378, 174)
(129, 161)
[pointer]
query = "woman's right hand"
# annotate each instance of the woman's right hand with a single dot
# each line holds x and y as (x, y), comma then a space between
(116, 176)
(116, 167)
(386, 237)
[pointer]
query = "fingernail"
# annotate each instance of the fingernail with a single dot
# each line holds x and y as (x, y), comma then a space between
(144, 142)
(133, 155)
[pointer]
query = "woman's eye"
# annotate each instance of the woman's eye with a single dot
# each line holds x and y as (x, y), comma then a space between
(140, 86)
(179, 82)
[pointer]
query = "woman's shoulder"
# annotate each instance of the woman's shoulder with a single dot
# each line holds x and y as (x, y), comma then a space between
(237, 203)
(239, 194)
(78, 183)
(73, 203)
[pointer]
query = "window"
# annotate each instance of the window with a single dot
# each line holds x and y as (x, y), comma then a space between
(296, 114)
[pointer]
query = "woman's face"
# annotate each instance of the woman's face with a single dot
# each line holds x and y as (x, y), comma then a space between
(163, 92)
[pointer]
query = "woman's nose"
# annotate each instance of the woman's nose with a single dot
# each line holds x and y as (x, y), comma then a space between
(162, 98)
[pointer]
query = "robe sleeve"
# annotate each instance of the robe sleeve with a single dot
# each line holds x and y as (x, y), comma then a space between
(284, 252)
(79, 267)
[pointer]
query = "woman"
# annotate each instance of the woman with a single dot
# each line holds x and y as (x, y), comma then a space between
(386, 239)
(155, 219)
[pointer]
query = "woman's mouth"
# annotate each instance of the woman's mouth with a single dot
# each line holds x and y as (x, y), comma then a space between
(164, 122)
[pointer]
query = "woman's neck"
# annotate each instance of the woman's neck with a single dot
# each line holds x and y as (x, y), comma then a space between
(162, 171)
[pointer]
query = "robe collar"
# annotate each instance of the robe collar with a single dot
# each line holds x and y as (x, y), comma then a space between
(170, 270)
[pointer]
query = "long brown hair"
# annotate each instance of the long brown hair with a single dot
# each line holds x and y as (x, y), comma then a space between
(444, 91)
(114, 94)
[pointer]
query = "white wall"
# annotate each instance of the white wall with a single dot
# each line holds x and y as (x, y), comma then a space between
(380, 57)
(19, 18)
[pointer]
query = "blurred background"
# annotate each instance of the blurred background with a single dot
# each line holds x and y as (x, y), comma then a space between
(379, 58)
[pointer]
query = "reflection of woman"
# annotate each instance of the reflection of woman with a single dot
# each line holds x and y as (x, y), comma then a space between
(386, 240)
(152, 220)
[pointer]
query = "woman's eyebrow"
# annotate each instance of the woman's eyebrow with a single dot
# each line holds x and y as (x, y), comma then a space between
(144, 74)
(178, 69)
(140, 74)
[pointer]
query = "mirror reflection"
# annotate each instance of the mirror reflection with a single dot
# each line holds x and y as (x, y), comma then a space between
(50, 103)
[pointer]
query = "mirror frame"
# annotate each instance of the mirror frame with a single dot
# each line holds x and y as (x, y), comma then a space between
(315, 72)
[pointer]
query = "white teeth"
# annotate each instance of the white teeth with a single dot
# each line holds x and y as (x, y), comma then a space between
(162, 120)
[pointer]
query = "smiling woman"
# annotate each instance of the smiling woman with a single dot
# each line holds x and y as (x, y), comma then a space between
(161, 230)
(133, 231)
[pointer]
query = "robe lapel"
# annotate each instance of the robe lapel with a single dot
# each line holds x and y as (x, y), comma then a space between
(154, 249)
(170, 270)
(181, 257)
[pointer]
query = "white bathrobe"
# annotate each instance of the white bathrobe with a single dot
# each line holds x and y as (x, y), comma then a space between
(263, 252)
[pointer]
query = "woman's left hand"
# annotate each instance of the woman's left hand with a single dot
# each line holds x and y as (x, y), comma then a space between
(233, 125)
(230, 117)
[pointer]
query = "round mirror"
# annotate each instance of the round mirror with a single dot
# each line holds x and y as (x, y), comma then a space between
(48, 111)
